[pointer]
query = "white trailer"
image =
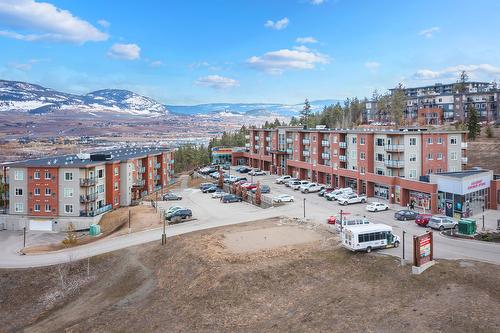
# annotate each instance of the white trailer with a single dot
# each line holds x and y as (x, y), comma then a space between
(366, 237)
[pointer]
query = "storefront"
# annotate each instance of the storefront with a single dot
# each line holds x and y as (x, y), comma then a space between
(381, 191)
(420, 199)
(352, 183)
(463, 194)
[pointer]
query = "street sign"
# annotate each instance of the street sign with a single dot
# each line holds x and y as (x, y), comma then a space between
(423, 249)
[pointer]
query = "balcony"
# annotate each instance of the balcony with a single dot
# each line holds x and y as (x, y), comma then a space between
(157, 187)
(87, 181)
(394, 163)
(325, 156)
(289, 140)
(342, 144)
(88, 198)
(157, 177)
(289, 151)
(464, 160)
(90, 213)
(342, 158)
(256, 138)
(325, 143)
(247, 145)
(157, 165)
(306, 141)
(268, 149)
(268, 138)
(257, 147)
(141, 169)
(140, 183)
(306, 153)
(464, 145)
(394, 148)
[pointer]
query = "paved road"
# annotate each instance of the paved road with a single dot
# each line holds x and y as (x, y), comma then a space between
(212, 213)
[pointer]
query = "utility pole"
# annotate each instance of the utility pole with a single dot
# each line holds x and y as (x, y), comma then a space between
(164, 235)
(304, 207)
(24, 237)
(483, 217)
(341, 220)
(129, 227)
(403, 261)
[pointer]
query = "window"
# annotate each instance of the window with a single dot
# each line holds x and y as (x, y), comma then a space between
(440, 141)
(48, 176)
(19, 192)
(68, 208)
(429, 171)
(379, 157)
(354, 140)
(413, 173)
(19, 207)
(430, 157)
(380, 142)
(68, 193)
(150, 163)
(453, 156)
(362, 140)
(453, 140)
(439, 156)
(68, 176)
(36, 207)
(36, 175)
(116, 186)
(36, 191)
(362, 156)
(413, 141)
(100, 188)
(429, 141)
(439, 170)
(116, 171)
(150, 175)
(19, 175)
(314, 138)
(380, 171)
(47, 208)
(413, 157)
(100, 173)
(48, 191)
(362, 170)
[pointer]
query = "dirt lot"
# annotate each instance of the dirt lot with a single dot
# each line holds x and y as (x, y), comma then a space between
(205, 281)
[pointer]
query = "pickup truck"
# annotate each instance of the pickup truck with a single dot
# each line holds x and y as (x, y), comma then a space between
(296, 186)
(311, 187)
(283, 179)
(351, 198)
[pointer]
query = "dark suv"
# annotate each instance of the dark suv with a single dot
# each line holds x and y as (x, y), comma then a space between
(405, 214)
(231, 198)
(183, 213)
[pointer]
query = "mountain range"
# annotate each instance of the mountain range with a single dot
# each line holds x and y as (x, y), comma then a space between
(36, 99)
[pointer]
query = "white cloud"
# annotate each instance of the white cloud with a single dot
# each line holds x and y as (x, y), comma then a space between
(276, 62)
(317, 2)
(372, 65)
(278, 25)
(125, 51)
(429, 32)
(24, 66)
(217, 82)
(156, 63)
(485, 70)
(104, 23)
(306, 40)
(35, 21)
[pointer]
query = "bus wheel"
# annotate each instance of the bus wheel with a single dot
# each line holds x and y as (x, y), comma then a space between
(396, 244)
(368, 249)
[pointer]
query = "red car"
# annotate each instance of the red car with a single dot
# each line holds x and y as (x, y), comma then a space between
(423, 219)
(331, 220)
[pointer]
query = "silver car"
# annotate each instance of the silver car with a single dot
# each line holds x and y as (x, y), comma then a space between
(442, 222)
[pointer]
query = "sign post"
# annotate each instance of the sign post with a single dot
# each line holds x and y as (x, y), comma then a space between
(423, 252)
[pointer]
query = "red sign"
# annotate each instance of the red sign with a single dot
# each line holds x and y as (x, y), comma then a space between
(476, 184)
(422, 249)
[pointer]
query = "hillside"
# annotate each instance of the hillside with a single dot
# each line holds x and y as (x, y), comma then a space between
(484, 152)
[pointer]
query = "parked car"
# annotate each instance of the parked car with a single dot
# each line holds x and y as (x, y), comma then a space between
(326, 190)
(238, 169)
(290, 181)
(352, 199)
(183, 213)
(311, 187)
(405, 214)
(423, 219)
(336, 194)
(283, 198)
(230, 179)
(210, 189)
(173, 209)
(249, 186)
(263, 189)
(257, 172)
(376, 207)
(203, 185)
(226, 167)
(171, 196)
(296, 186)
(282, 179)
(442, 222)
(218, 194)
(231, 198)
(244, 170)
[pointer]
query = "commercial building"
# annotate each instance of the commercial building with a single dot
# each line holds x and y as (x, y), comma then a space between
(223, 155)
(49, 193)
(484, 96)
(387, 164)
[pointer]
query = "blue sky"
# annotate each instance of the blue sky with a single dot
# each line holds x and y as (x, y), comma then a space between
(190, 52)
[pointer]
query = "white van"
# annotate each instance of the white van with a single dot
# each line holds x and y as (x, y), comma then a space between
(348, 221)
(369, 237)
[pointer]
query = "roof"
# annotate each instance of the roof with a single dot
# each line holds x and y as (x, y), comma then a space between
(368, 227)
(84, 160)
(461, 174)
(398, 131)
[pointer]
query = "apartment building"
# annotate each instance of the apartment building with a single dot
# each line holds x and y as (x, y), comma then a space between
(49, 193)
(388, 164)
(484, 96)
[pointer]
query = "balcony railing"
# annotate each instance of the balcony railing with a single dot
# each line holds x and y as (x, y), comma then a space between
(247, 136)
(342, 144)
(306, 141)
(256, 138)
(140, 182)
(157, 165)
(268, 138)
(88, 198)
(96, 212)
(257, 147)
(325, 156)
(306, 153)
(396, 148)
(268, 148)
(87, 181)
(289, 151)
(247, 145)
(342, 158)
(289, 140)
(142, 169)
(394, 164)
(464, 160)
(325, 143)
(464, 145)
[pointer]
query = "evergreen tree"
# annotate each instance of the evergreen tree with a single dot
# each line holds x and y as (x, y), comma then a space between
(473, 122)
(398, 104)
(461, 85)
(305, 113)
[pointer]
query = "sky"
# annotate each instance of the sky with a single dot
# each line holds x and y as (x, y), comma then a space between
(242, 51)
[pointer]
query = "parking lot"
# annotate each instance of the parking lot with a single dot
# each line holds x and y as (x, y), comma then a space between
(318, 209)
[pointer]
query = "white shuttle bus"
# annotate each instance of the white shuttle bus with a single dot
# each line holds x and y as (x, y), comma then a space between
(366, 237)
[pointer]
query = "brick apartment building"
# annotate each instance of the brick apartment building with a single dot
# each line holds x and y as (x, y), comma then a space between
(48, 193)
(387, 164)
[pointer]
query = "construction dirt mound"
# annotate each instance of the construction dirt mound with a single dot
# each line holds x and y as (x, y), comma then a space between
(255, 277)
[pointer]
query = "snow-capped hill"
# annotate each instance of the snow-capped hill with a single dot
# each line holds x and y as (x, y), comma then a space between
(22, 96)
